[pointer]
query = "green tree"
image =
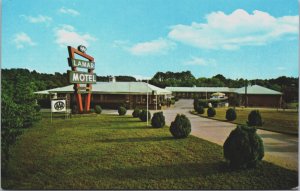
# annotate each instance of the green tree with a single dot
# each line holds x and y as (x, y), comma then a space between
(11, 123)
(18, 109)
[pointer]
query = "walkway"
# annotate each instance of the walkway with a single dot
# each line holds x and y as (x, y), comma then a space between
(280, 149)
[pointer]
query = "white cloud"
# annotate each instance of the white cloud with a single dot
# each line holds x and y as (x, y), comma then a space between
(38, 19)
(197, 61)
(120, 44)
(22, 39)
(160, 46)
(66, 35)
(237, 29)
(69, 11)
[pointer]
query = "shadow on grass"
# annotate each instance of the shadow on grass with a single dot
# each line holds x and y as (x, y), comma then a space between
(140, 139)
(176, 171)
(125, 128)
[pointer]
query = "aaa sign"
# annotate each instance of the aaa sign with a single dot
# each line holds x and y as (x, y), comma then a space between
(81, 77)
(58, 105)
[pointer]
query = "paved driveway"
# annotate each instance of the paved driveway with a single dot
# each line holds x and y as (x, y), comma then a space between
(280, 148)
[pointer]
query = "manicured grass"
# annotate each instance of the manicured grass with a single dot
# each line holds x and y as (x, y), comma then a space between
(277, 121)
(120, 152)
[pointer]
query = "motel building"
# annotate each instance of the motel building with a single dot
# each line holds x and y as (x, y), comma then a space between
(256, 96)
(112, 94)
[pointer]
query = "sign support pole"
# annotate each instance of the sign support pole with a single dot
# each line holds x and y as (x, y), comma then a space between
(147, 102)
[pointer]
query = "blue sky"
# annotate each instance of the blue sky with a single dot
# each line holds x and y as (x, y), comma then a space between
(237, 38)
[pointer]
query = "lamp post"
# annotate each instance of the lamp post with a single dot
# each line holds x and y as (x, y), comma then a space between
(147, 100)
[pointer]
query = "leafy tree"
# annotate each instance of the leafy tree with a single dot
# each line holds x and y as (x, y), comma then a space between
(18, 108)
(11, 123)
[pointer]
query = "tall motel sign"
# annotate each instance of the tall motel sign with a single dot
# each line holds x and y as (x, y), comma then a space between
(77, 77)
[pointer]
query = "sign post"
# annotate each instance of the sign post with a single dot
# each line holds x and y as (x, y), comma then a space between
(77, 77)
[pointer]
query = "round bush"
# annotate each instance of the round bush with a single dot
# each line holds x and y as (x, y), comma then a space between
(172, 101)
(158, 120)
(243, 148)
(180, 127)
(211, 112)
(143, 115)
(200, 109)
(203, 103)
(122, 110)
(136, 113)
(98, 109)
(196, 103)
(254, 118)
(230, 114)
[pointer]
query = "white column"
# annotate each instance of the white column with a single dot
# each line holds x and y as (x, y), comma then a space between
(156, 101)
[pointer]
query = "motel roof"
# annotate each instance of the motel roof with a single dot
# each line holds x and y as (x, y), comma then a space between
(114, 88)
(257, 90)
(199, 89)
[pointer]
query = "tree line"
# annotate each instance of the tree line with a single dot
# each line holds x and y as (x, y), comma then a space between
(42, 81)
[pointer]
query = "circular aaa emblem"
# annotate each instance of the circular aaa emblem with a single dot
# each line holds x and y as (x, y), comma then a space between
(59, 105)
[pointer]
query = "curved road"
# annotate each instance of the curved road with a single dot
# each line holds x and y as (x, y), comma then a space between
(280, 149)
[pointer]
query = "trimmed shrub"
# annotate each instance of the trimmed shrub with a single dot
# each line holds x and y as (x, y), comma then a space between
(211, 112)
(98, 109)
(123, 105)
(230, 114)
(254, 118)
(180, 127)
(243, 148)
(200, 109)
(203, 103)
(158, 120)
(122, 110)
(172, 101)
(143, 115)
(196, 103)
(136, 113)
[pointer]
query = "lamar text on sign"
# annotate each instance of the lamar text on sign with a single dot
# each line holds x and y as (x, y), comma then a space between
(81, 77)
(81, 63)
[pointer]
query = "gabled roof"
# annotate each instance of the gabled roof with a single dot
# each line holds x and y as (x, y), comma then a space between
(199, 89)
(114, 88)
(256, 89)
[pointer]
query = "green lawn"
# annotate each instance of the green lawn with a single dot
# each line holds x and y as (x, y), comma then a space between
(114, 152)
(277, 121)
